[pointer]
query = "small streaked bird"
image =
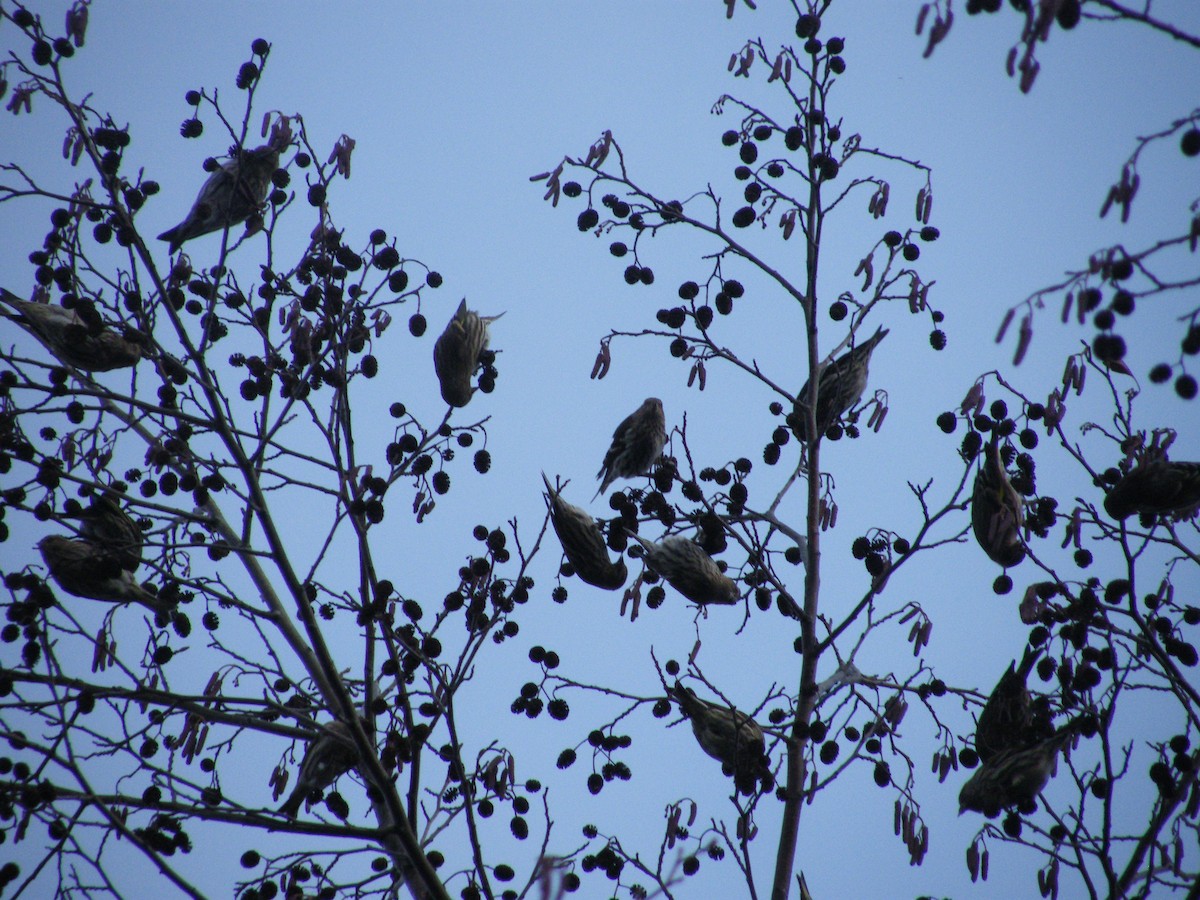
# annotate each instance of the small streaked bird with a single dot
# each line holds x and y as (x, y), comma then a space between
(637, 443)
(232, 194)
(997, 511)
(688, 569)
(456, 353)
(1015, 777)
(583, 543)
(839, 386)
(81, 568)
(108, 527)
(1007, 718)
(87, 346)
(726, 735)
(327, 758)
(1156, 488)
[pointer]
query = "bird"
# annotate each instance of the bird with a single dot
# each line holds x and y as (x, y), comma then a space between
(107, 526)
(456, 353)
(1007, 719)
(231, 195)
(1157, 487)
(727, 735)
(87, 346)
(1014, 777)
(688, 569)
(839, 386)
(997, 511)
(583, 543)
(329, 755)
(637, 443)
(83, 569)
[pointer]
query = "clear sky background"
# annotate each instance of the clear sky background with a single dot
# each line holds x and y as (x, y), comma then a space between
(454, 106)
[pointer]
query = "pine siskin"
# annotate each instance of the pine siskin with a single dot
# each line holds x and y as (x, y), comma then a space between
(997, 511)
(456, 353)
(1015, 777)
(232, 194)
(108, 527)
(688, 569)
(89, 347)
(328, 757)
(1156, 488)
(726, 735)
(839, 387)
(1007, 718)
(583, 543)
(85, 570)
(637, 443)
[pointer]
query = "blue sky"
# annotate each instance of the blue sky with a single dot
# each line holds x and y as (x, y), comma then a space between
(453, 108)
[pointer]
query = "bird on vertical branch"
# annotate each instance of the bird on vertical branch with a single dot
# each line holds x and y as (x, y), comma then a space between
(637, 443)
(77, 336)
(85, 570)
(457, 352)
(231, 195)
(727, 735)
(688, 569)
(1157, 487)
(583, 543)
(328, 756)
(1007, 719)
(997, 510)
(839, 387)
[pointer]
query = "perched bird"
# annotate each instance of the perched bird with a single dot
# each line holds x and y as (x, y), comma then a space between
(726, 735)
(637, 443)
(85, 570)
(1014, 777)
(108, 527)
(1007, 719)
(328, 757)
(688, 569)
(839, 386)
(1156, 488)
(997, 511)
(87, 346)
(583, 543)
(456, 353)
(232, 194)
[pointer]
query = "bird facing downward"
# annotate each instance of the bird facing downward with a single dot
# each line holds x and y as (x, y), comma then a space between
(637, 443)
(456, 353)
(232, 194)
(997, 511)
(583, 543)
(1007, 719)
(688, 569)
(1156, 488)
(90, 346)
(108, 527)
(328, 756)
(81, 568)
(727, 735)
(839, 386)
